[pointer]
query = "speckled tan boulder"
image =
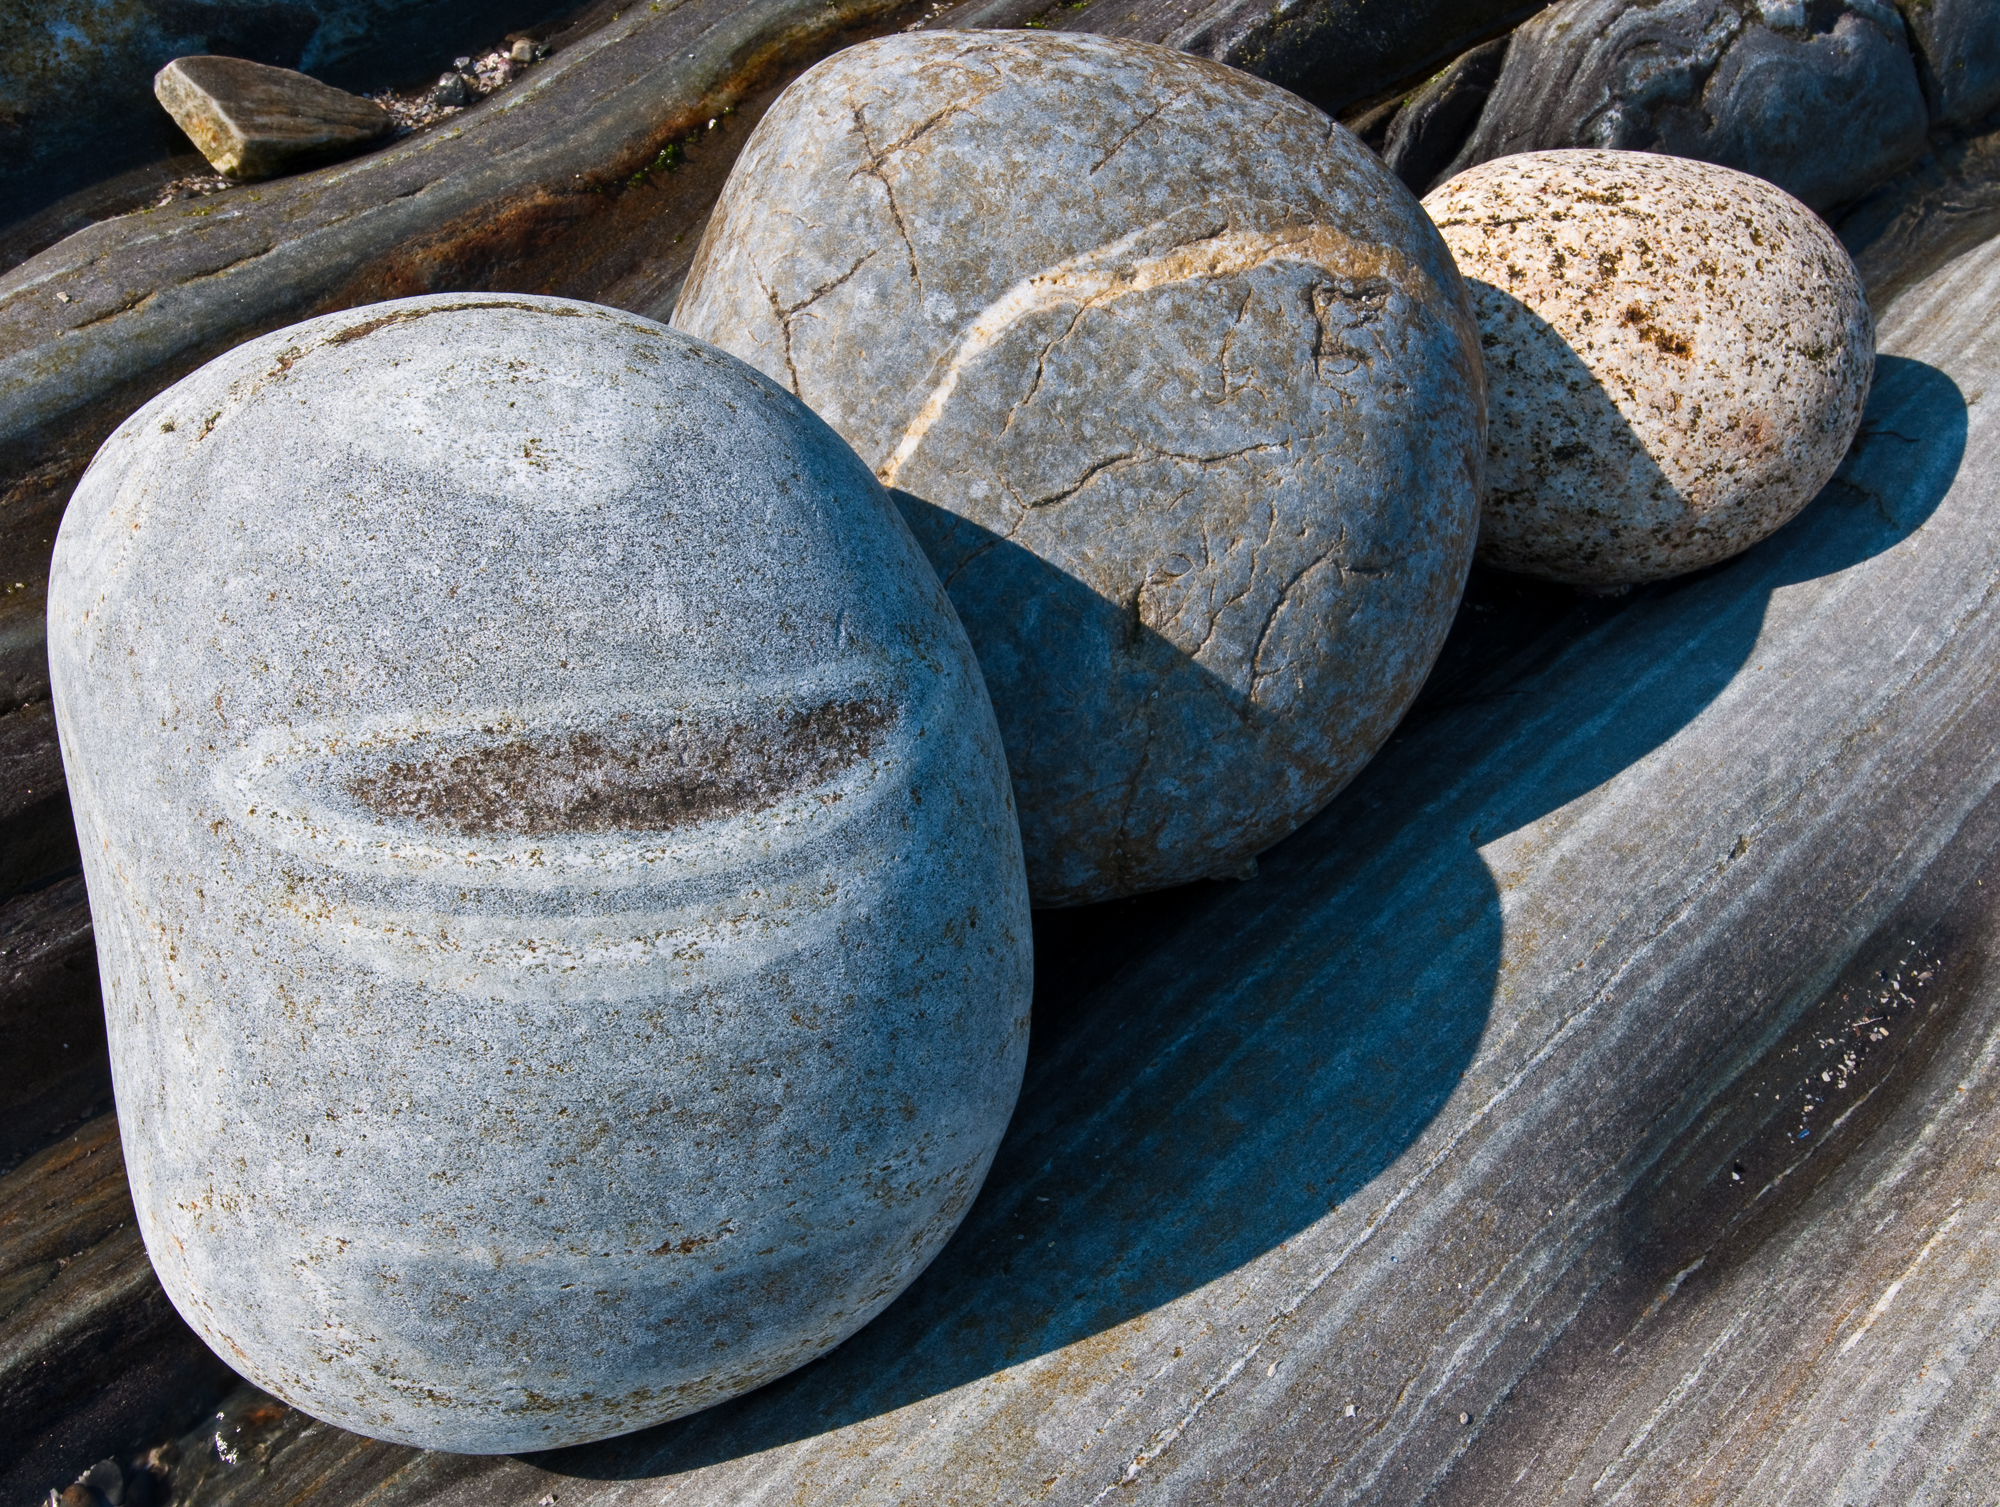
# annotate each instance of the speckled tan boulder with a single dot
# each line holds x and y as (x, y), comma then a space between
(1677, 356)
(1182, 393)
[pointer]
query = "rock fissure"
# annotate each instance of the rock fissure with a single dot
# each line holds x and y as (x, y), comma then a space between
(1111, 272)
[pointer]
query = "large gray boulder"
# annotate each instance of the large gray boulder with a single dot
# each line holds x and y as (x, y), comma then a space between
(563, 931)
(1820, 99)
(1183, 396)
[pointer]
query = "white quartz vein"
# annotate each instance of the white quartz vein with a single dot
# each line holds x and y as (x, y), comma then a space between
(1111, 272)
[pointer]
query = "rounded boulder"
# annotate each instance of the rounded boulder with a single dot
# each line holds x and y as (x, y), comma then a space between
(1178, 388)
(562, 923)
(1677, 358)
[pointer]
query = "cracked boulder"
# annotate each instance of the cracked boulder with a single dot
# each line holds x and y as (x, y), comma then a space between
(1677, 356)
(254, 121)
(1181, 394)
(1821, 98)
(566, 760)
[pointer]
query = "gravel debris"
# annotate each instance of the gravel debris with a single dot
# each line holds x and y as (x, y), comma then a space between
(468, 81)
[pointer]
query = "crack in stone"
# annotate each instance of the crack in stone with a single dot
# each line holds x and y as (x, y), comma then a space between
(1229, 337)
(1137, 126)
(879, 173)
(784, 326)
(1140, 457)
(1041, 366)
(1363, 300)
(1090, 474)
(786, 313)
(1113, 271)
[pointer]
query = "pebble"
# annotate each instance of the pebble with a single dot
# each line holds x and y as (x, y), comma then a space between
(583, 769)
(1181, 392)
(252, 121)
(452, 91)
(1677, 359)
(522, 51)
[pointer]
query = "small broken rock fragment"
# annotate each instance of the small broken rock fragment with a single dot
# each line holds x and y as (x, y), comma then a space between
(1677, 356)
(1182, 393)
(254, 121)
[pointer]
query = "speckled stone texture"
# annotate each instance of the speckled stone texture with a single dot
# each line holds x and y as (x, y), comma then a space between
(1820, 98)
(1182, 394)
(563, 930)
(1677, 357)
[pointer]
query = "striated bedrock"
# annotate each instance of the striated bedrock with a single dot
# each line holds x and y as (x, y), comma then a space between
(1181, 394)
(1822, 99)
(567, 760)
(1677, 356)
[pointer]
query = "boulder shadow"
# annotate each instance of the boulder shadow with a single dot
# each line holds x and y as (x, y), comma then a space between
(1215, 1068)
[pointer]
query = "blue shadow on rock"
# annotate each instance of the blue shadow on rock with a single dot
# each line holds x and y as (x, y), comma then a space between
(1216, 1067)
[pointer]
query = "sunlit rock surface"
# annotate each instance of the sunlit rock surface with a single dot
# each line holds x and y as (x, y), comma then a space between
(1179, 389)
(562, 926)
(1677, 356)
(253, 121)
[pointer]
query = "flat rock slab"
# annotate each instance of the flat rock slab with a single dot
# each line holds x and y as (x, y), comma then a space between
(255, 121)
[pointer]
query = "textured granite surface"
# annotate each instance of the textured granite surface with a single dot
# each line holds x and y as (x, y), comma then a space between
(1677, 356)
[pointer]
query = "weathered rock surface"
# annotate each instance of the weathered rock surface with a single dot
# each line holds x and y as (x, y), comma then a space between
(251, 121)
(1332, 52)
(1820, 99)
(1434, 123)
(1677, 356)
(55, 1073)
(1487, 1095)
(489, 207)
(1181, 389)
(1957, 43)
(74, 108)
(562, 926)
(93, 1358)
(1942, 208)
